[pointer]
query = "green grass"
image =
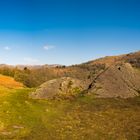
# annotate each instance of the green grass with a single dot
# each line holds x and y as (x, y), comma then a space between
(84, 118)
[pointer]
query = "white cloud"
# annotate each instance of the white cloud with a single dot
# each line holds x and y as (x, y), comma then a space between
(31, 61)
(7, 48)
(48, 47)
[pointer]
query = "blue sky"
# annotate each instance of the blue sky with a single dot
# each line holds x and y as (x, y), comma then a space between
(67, 31)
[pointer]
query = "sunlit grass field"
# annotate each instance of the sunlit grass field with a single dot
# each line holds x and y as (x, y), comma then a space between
(9, 82)
(84, 118)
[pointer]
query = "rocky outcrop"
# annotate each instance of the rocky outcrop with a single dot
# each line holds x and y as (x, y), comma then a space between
(64, 87)
(118, 80)
(108, 77)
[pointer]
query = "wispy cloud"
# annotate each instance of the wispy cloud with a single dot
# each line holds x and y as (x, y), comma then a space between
(7, 48)
(48, 47)
(31, 61)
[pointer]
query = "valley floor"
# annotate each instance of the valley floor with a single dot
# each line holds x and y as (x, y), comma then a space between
(85, 118)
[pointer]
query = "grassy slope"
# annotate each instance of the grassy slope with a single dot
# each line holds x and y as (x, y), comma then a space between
(85, 118)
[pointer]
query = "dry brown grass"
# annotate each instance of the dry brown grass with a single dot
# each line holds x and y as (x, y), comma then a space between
(9, 82)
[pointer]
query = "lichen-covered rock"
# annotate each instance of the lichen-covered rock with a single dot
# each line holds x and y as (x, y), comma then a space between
(119, 80)
(64, 87)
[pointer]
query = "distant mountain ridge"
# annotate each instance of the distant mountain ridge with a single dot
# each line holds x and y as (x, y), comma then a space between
(104, 60)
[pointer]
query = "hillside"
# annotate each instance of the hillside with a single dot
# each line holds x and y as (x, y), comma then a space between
(34, 76)
(77, 102)
(109, 60)
(114, 76)
(111, 76)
